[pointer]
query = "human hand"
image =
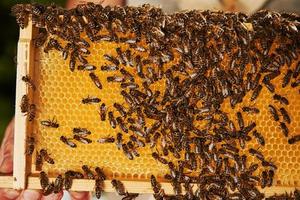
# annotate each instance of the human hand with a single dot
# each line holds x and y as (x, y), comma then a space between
(6, 167)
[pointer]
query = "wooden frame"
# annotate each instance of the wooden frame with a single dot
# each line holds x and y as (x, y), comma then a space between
(21, 178)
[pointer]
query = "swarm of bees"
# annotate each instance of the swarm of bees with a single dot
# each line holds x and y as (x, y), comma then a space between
(196, 85)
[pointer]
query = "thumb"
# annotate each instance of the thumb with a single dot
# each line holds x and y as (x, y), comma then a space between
(6, 150)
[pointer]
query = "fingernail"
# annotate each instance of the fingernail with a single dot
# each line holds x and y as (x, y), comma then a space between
(31, 195)
(53, 196)
(80, 195)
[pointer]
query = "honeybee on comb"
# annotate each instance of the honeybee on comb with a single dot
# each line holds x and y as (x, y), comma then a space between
(24, 104)
(50, 123)
(29, 81)
(30, 142)
(46, 156)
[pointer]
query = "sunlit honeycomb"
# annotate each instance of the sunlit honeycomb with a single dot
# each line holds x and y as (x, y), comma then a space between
(59, 96)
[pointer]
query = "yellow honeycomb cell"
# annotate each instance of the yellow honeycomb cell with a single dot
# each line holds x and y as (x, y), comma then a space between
(59, 96)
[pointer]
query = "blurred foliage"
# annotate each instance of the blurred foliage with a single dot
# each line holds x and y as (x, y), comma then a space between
(8, 51)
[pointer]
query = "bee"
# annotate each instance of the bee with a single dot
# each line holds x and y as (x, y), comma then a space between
(50, 123)
(154, 139)
(112, 120)
(130, 196)
(126, 151)
(100, 173)
(296, 83)
(264, 179)
(119, 187)
(121, 124)
(285, 115)
(284, 129)
(137, 131)
(88, 172)
(106, 140)
(81, 131)
(111, 59)
(31, 112)
(139, 66)
(133, 149)
(44, 180)
(147, 89)
(287, 78)
(127, 98)
(155, 185)
(82, 139)
(24, 104)
(120, 55)
(96, 80)
(281, 99)
(74, 174)
(271, 174)
(176, 187)
(19, 11)
(273, 112)
(256, 93)
(115, 78)
(127, 75)
(158, 158)
(68, 181)
(98, 188)
(67, 141)
(120, 109)
(251, 110)
(265, 163)
(260, 139)
(72, 62)
(109, 68)
(30, 145)
(102, 112)
(58, 184)
(269, 86)
(256, 81)
(46, 156)
(49, 189)
(53, 43)
(29, 82)
(129, 85)
(294, 139)
(38, 160)
(119, 140)
(87, 68)
(90, 100)
(240, 120)
(257, 154)
(296, 71)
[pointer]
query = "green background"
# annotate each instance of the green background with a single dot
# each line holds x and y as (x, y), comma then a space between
(9, 33)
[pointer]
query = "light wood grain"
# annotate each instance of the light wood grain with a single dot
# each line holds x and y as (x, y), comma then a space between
(140, 186)
(6, 182)
(24, 66)
(131, 186)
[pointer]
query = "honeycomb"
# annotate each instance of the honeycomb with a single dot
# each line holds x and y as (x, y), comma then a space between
(59, 96)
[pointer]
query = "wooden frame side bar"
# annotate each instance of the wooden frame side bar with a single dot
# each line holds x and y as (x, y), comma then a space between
(25, 64)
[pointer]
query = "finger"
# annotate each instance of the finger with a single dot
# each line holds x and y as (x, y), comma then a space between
(6, 150)
(53, 196)
(30, 195)
(8, 194)
(80, 195)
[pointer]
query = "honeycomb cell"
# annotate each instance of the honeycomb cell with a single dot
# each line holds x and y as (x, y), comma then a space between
(60, 94)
